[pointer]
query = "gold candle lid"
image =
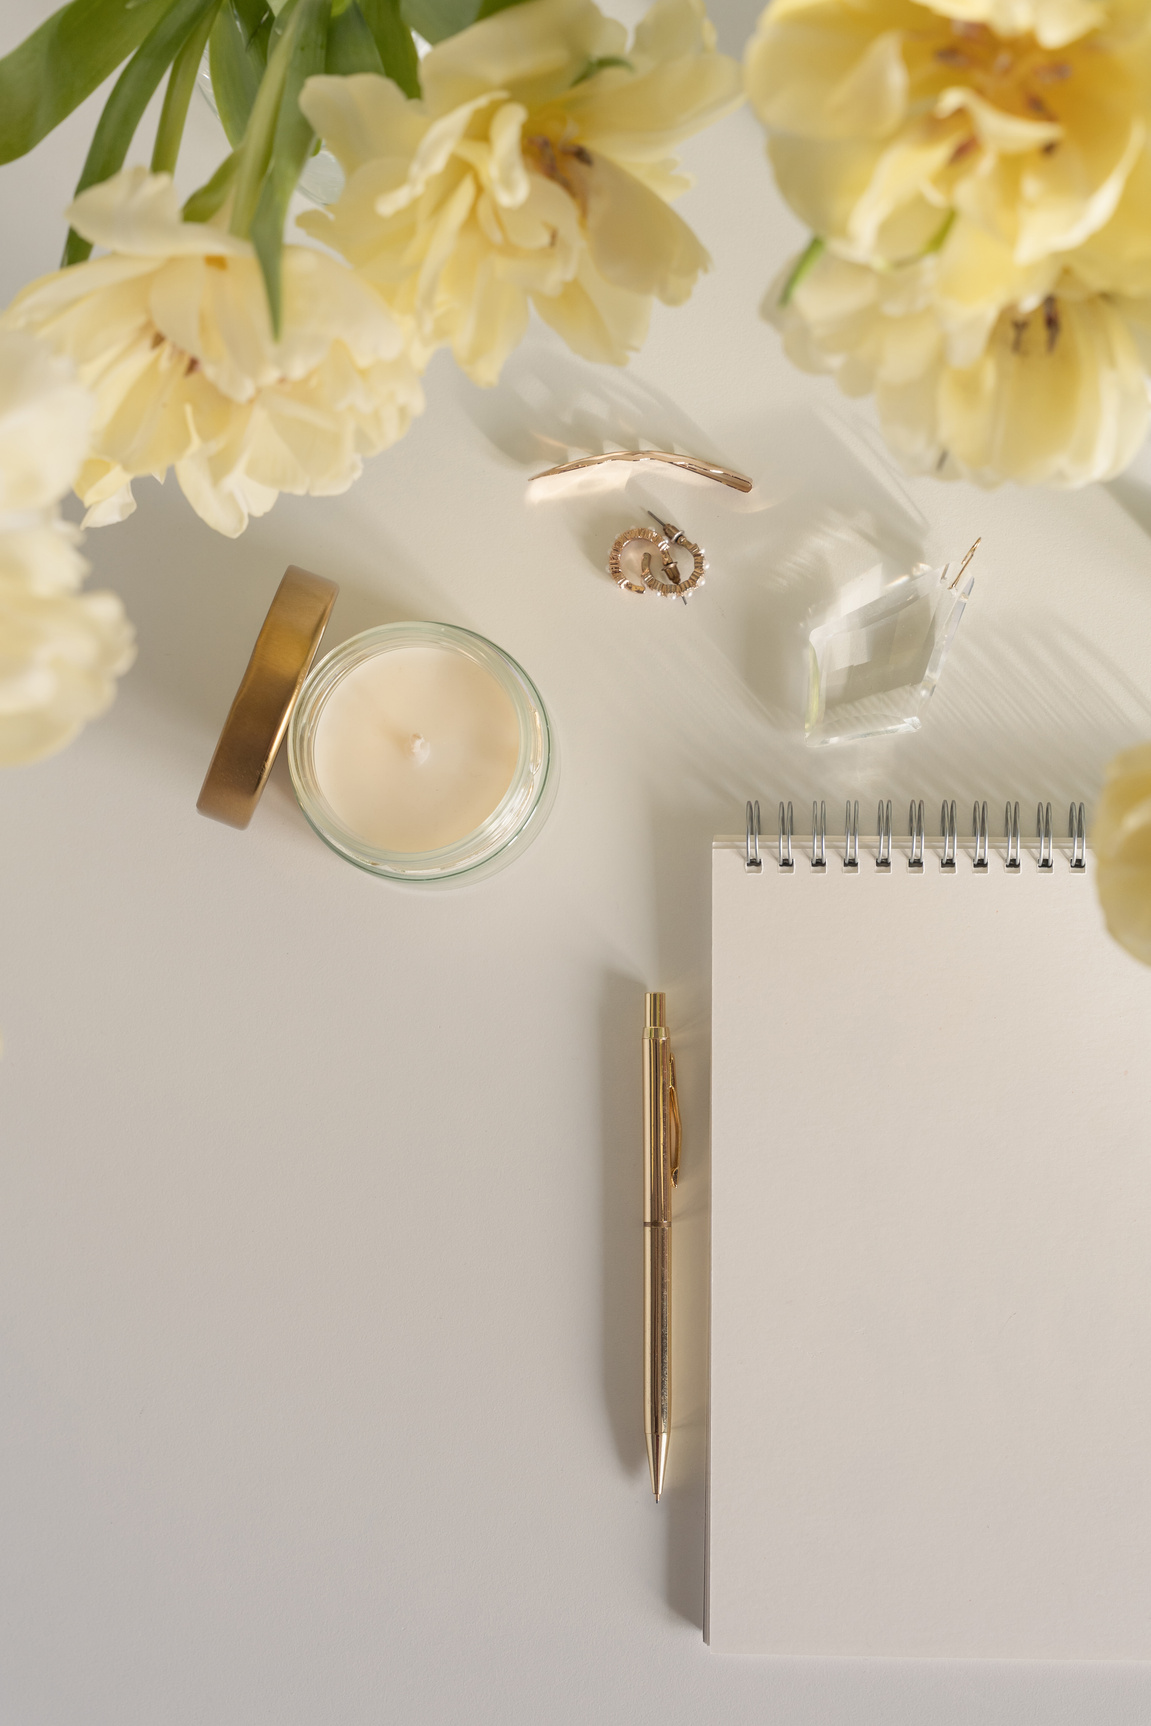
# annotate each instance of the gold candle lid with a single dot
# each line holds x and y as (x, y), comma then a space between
(258, 717)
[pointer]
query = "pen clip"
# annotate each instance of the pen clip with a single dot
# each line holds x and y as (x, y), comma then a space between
(676, 1125)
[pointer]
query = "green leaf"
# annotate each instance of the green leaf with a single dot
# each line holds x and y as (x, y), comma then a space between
(305, 42)
(351, 45)
(237, 56)
(203, 204)
(394, 41)
(437, 19)
(62, 62)
(255, 149)
(489, 7)
(181, 83)
(131, 93)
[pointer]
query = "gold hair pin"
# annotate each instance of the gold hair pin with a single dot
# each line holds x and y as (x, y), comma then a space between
(689, 464)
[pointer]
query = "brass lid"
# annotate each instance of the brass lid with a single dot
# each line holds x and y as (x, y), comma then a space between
(258, 717)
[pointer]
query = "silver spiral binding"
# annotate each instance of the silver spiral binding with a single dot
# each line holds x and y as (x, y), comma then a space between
(883, 828)
(1014, 845)
(851, 837)
(947, 848)
(786, 828)
(950, 836)
(819, 838)
(754, 860)
(980, 833)
(1043, 829)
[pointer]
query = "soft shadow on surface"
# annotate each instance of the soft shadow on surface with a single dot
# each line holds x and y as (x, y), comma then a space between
(1039, 708)
(1134, 497)
(198, 600)
(549, 407)
(621, 1188)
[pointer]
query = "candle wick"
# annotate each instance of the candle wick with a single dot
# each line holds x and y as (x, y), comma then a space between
(418, 747)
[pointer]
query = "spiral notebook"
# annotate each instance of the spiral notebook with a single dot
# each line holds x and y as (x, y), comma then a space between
(930, 1400)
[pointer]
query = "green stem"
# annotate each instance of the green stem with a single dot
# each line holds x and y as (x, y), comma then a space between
(207, 199)
(255, 151)
(131, 93)
(181, 83)
(936, 242)
(290, 149)
(806, 261)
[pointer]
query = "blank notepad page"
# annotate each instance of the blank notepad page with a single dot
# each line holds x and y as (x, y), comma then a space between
(930, 1422)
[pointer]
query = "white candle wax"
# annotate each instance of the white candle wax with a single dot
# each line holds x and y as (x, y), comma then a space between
(415, 747)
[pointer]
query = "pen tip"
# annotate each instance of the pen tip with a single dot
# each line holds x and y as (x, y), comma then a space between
(657, 1448)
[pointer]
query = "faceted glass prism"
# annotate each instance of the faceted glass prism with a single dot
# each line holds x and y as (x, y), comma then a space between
(875, 657)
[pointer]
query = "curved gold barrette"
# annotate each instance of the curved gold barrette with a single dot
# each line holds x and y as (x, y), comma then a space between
(689, 463)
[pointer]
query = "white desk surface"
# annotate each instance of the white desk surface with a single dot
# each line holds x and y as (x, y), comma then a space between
(320, 1298)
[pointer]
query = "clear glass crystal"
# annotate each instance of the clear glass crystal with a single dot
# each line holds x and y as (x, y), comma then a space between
(875, 657)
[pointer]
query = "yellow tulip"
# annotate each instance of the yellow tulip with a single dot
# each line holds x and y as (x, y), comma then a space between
(171, 333)
(536, 170)
(887, 118)
(1055, 395)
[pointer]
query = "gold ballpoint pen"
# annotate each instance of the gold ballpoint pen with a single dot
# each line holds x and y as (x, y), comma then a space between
(661, 1139)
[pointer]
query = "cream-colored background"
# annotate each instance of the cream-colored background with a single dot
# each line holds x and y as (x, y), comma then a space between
(319, 1202)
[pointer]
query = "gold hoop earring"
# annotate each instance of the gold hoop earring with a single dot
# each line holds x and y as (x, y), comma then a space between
(672, 585)
(649, 537)
(676, 586)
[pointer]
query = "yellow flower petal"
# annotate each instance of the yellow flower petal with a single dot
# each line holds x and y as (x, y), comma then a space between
(672, 30)
(365, 118)
(44, 421)
(895, 188)
(61, 651)
(636, 241)
(596, 319)
(1121, 839)
(1117, 257)
(643, 118)
(59, 661)
(1054, 23)
(507, 175)
(534, 51)
(1072, 196)
(824, 181)
(138, 213)
(1064, 408)
(974, 277)
(819, 71)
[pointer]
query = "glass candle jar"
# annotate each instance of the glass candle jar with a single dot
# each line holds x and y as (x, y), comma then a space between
(422, 752)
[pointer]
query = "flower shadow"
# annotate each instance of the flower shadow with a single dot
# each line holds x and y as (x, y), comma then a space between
(550, 406)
